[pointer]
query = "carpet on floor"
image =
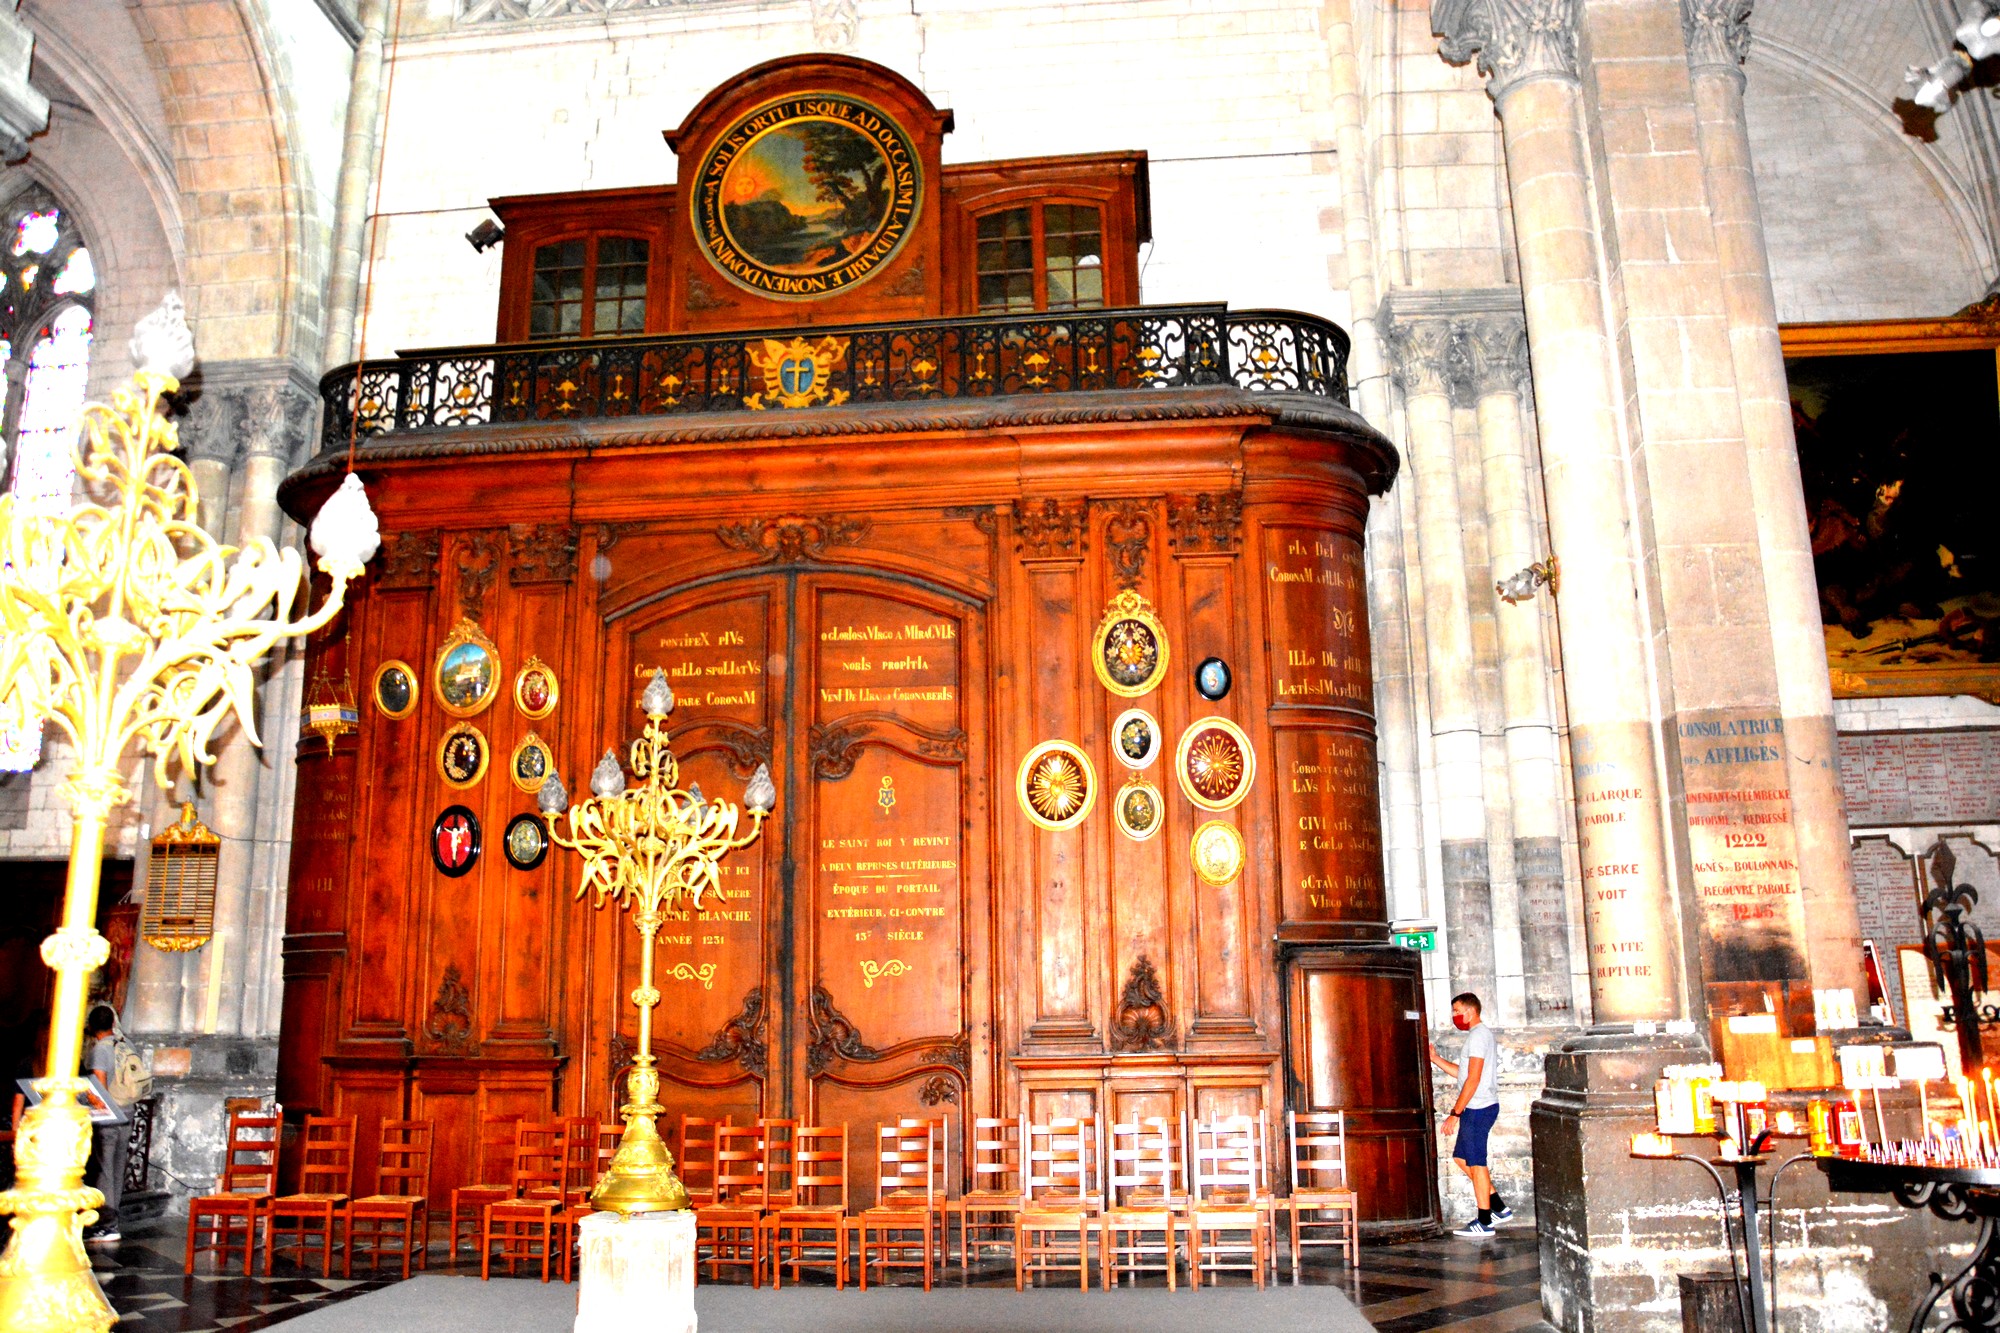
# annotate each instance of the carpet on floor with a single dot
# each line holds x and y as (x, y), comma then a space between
(437, 1304)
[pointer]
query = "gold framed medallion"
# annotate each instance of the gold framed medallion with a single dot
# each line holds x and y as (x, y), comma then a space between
(1056, 785)
(531, 763)
(536, 689)
(1217, 852)
(1129, 649)
(1140, 810)
(395, 689)
(1214, 763)
(467, 674)
(463, 755)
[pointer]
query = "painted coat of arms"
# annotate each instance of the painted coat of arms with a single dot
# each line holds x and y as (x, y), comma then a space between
(796, 373)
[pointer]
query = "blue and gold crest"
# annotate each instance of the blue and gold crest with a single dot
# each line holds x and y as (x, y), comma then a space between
(797, 373)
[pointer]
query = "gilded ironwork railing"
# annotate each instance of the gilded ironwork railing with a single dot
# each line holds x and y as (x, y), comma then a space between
(1149, 347)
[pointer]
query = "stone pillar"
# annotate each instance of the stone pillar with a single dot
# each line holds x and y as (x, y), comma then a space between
(1527, 48)
(1497, 352)
(637, 1272)
(1717, 39)
(357, 175)
(1421, 345)
(24, 111)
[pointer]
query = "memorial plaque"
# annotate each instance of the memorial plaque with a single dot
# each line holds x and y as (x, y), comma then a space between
(1316, 609)
(1329, 848)
(1894, 779)
(1745, 850)
(1885, 888)
(882, 656)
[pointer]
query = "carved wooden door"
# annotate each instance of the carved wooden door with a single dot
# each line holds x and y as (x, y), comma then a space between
(845, 977)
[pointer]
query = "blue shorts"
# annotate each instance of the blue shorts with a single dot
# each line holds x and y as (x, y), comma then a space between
(1474, 1124)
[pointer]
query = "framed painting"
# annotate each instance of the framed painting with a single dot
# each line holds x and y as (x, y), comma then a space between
(1897, 423)
(467, 675)
(395, 689)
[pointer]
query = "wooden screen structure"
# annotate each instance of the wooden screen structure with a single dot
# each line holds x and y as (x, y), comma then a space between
(179, 912)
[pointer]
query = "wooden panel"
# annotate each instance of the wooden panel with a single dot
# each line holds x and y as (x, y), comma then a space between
(1058, 864)
(1221, 916)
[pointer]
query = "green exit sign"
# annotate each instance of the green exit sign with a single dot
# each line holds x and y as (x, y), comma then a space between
(1423, 941)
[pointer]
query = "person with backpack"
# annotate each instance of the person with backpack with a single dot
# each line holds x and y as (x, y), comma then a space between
(126, 1083)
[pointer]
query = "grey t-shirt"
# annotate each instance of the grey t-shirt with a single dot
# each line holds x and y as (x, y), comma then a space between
(1481, 1043)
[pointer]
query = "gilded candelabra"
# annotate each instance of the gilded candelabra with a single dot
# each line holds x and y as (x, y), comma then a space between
(653, 848)
(128, 629)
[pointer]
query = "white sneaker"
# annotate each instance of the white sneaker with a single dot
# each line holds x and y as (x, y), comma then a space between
(1503, 1215)
(1474, 1230)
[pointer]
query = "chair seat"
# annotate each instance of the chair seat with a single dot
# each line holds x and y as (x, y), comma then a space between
(728, 1213)
(304, 1200)
(523, 1207)
(797, 1216)
(232, 1200)
(388, 1200)
(990, 1198)
(1325, 1198)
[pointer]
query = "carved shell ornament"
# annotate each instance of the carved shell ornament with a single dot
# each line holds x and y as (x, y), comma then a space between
(1056, 785)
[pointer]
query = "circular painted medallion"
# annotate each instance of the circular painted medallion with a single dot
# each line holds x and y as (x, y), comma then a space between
(807, 196)
(455, 841)
(1135, 738)
(1139, 808)
(1217, 850)
(1056, 785)
(535, 689)
(467, 675)
(526, 842)
(531, 763)
(395, 689)
(1214, 763)
(1212, 678)
(1129, 650)
(463, 755)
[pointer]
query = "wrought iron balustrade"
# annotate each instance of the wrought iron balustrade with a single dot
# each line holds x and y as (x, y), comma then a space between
(1141, 349)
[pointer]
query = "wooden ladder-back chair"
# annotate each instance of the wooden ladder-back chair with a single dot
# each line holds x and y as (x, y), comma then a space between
(694, 1157)
(579, 1151)
(1225, 1215)
(522, 1227)
(1319, 1185)
(1145, 1200)
(497, 1135)
(938, 1128)
(1061, 1198)
(395, 1220)
(729, 1227)
(780, 1163)
(812, 1228)
(906, 1200)
(248, 1183)
(986, 1210)
(326, 1180)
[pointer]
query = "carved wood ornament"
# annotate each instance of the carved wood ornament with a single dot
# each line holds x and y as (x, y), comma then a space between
(741, 1038)
(1205, 522)
(1049, 529)
(791, 541)
(541, 552)
(478, 561)
(1128, 535)
(449, 1025)
(833, 1036)
(1140, 1022)
(409, 560)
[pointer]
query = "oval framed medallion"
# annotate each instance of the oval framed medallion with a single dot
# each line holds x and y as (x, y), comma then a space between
(467, 675)
(1214, 763)
(531, 763)
(1212, 678)
(1217, 851)
(1135, 738)
(395, 689)
(535, 689)
(463, 755)
(806, 196)
(455, 841)
(1129, 650)
(526, 841)
(1139, 808)
(1056, 785)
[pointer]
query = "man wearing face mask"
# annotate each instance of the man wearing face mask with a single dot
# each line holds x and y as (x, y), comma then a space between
(1474, 1111)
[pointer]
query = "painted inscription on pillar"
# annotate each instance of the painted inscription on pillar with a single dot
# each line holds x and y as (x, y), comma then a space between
(1330, 851)
(1628, 919)
(887, 817)
(717, 655)
(1744, 847)
(1317, 613)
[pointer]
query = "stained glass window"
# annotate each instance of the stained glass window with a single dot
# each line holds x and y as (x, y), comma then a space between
(47, 293)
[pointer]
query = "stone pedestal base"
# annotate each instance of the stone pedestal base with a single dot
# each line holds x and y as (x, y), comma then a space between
(638, 1272)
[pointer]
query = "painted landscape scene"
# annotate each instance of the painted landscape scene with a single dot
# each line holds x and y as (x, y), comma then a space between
(806, 197)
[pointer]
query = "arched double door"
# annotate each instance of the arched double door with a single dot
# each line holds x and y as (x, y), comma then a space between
(844, 978)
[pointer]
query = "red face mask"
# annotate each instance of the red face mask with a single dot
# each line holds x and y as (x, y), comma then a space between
(1459, 1021)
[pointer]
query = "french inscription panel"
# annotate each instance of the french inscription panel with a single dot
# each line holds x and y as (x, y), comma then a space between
(882, 656)
(1316, 607)
(1898, 778)
(1743, 844)
(1330, 848)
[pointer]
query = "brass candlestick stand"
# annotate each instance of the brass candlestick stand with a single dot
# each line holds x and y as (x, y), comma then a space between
(653, 848)
(127, 628)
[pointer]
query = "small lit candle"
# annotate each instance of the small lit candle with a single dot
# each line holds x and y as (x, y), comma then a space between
(1652, 1145)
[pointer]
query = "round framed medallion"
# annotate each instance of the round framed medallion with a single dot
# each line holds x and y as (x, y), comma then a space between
(806, 196)
(531, 763)
(1217, 851)
(1214, 763)
(395, 689)
(1056, 785)
(535, 689)
(1212, 678)
(526, 841)
(467, 675)
(1135, 738)
(1139, 809)
(455, 841)
(1129, 650)
(463, 755)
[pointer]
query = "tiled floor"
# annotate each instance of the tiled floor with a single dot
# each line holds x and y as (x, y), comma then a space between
(1489, 1286)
